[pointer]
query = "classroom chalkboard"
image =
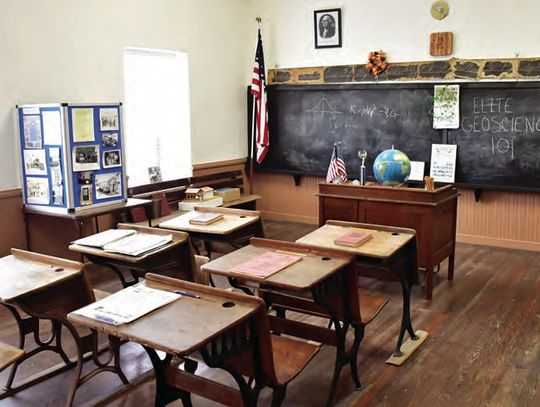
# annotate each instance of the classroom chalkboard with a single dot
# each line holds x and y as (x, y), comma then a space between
(499, 136)
(498, 141)
(305, 122)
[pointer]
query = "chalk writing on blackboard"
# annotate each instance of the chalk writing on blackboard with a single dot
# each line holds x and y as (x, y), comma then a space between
(369, 110)
(503, 146)
(323, 107)
(496, 115)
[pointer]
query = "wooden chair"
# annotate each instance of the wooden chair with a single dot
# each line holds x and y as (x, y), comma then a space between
(246, 350)
(9, 355)
(362, 309)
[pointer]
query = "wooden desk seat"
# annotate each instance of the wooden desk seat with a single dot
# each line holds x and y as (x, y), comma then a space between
(9, 355)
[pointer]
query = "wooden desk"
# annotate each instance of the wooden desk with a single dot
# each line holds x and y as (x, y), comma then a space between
(432, 214)
(323, 283)
(230, 233)
(223, 327)
(48, 288)
(175, 259)
(40, 221)
(391, 253)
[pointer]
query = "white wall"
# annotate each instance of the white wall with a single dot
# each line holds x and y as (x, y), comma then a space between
(482, 29)
(71, 51)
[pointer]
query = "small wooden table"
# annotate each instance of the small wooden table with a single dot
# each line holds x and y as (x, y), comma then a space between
(176, 259)
(391, 253)
(183, 327)
(323, 283)
(37, 230)
(48, 288)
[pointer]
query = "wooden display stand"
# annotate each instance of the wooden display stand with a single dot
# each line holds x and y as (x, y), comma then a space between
(431, 213)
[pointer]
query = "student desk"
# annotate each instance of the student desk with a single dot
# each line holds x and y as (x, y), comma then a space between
(48, 288)
(323, 283)
(391, 253)
(235, 229)
(225, 328)
(176, 259)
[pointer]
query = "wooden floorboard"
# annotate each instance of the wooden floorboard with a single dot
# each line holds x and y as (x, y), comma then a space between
(483, 348)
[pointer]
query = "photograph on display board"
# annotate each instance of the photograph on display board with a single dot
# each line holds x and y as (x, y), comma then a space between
(83, 124)
(86, 158)
(37, 190)
(56, 176)
(32, 131)
(109, 140)
(108, 185)
(154, 174)
(35, 162)
(111, 158)
(108, 119)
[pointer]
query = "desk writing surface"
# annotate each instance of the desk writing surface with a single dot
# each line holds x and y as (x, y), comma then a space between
(178, 238)
(181, 327)
(298, 276)
(22, 273)
(230, 223)
(383, 243)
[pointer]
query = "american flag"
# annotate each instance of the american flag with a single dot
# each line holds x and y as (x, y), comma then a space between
(336, 169)
(258, 89)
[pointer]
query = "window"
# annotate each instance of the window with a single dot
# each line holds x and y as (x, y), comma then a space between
(156, 113)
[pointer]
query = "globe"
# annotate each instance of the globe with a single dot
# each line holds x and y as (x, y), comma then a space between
(391, 167)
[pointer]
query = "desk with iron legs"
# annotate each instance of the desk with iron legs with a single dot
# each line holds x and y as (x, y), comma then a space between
(47, 288)
(176, 259)
(390, 253)
(323, 283)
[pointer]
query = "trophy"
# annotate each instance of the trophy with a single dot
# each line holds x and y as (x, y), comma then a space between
(362, 154)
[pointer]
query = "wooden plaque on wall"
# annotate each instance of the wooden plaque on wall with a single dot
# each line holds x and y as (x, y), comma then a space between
(441, 43)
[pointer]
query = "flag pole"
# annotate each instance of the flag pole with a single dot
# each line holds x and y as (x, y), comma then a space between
(253, 127)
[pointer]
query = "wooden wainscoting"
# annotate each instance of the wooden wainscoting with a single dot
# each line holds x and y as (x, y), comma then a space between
(11, 221)
(503, 219)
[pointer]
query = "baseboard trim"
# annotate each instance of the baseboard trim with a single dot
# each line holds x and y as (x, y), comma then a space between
(311, 220)
(506, 243)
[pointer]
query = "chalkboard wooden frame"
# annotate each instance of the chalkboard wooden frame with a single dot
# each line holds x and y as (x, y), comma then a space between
(446, 135)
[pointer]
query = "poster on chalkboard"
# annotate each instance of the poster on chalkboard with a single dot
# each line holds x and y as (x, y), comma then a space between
(443, 162)
(446, 107)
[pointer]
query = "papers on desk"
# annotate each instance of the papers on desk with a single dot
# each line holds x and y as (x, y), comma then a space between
(127, 305)
(125, 241)
(136, 244)
(266, 264)
(103, 238)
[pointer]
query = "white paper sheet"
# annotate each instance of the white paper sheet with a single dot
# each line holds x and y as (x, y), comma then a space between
(37, 190)
(128, 305)
(137, 244)
(417, 171)
(34, 162)
(52, 127)
(443, 162)
(103, 238)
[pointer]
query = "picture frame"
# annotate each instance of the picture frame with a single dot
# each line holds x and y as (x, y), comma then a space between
(327, 28)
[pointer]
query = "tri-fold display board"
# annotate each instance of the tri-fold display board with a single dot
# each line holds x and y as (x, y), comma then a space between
(498, 137)
(72, 156)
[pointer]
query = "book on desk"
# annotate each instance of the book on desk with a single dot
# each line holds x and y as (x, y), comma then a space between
(125, 241)
(266, 264)
(353, 238)
(206, 218)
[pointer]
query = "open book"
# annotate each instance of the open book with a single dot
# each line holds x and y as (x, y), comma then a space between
(127, 305)
(125, 241)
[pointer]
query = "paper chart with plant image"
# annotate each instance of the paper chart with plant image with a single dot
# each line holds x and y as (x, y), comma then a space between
(446, 107)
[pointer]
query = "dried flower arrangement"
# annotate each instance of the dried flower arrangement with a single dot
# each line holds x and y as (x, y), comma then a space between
(376, 63)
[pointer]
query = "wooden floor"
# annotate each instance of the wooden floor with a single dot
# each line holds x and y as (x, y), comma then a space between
(483, 348)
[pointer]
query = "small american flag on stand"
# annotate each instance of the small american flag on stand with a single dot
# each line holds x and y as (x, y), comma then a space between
(336, 169)
(258, 89)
